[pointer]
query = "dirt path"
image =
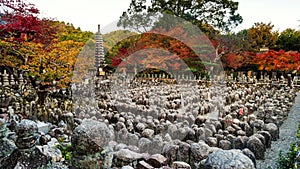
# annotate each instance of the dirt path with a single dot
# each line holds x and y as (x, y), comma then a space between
(288, 132)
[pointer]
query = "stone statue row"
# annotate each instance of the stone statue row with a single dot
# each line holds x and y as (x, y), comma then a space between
(242, 77)
(10, 79)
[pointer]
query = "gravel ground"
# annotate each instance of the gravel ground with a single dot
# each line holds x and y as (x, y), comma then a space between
(287, 136)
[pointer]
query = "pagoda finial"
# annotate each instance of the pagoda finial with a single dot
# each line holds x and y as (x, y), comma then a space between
(98, 27)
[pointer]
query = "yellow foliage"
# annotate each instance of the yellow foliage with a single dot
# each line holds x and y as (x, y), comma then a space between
(50, 56)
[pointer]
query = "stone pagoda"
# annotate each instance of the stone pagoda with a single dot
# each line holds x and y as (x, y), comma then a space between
(99, 53)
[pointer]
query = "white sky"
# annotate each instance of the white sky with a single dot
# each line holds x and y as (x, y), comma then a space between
(87, 14)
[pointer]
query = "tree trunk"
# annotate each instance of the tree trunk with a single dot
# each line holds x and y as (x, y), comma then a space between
(42, 94)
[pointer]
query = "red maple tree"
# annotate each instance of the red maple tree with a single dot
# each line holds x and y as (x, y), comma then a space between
(18, 20)
(277, 60)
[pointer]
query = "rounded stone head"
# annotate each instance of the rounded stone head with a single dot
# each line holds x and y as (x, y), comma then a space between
(27, 132)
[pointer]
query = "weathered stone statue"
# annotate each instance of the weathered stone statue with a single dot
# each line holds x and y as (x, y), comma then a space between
(27, 155)
(90, 145)
(6, 146)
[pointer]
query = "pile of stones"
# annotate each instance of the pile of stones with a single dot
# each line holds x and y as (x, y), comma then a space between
(153, 125)
(152, 119)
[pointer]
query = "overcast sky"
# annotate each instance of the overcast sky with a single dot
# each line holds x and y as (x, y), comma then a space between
(86, 14)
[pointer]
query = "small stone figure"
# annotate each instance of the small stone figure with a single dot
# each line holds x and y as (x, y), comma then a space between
(27, 155)
(289, 80)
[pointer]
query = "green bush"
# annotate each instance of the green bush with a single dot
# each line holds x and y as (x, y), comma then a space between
(289, 161)
(66, 151)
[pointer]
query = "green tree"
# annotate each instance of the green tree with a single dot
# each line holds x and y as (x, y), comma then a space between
(261, 35)
(113, 38)
(68, 32)
(288, 40)
(220, 14)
